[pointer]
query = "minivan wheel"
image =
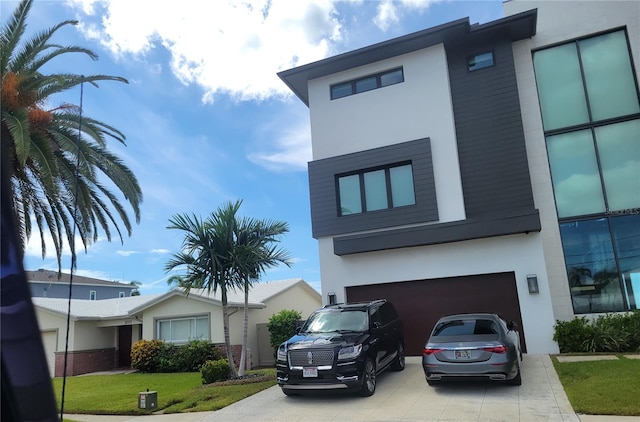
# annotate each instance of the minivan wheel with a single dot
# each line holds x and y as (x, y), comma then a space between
(368, 379)
(398, 363)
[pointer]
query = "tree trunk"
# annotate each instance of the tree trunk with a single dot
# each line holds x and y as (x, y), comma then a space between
(227, 340)
(245, 328)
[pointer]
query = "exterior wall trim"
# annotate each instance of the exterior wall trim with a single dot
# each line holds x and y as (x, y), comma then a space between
(438, 233)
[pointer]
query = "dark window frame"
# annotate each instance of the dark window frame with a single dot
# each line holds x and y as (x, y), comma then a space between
(475, 69)
(591, 126)
(353, 83)
(387, 178)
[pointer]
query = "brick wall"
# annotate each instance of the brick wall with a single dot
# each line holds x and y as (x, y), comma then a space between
(86, 361)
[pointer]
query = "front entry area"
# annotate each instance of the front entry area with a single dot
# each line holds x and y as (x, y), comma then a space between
(421, 302)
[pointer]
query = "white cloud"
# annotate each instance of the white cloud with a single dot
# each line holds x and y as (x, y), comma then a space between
(160, 251)
(229, 47)
(126, 253)
(390, 11)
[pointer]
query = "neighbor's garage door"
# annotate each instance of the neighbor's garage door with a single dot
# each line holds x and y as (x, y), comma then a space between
(420, 303)
(50, 342)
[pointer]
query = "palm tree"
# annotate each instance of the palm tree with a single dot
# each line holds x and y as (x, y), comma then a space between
(254, 255)
(207, 256)
(57, 158)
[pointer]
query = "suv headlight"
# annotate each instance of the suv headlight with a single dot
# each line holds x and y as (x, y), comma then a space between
(282, 353)
(350, 352)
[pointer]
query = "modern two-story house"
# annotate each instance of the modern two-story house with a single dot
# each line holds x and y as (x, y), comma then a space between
(482, 167)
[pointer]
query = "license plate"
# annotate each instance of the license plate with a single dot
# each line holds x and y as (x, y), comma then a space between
(463, 354)
(310, 372)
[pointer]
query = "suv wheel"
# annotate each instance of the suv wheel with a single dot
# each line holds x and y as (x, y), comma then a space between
(398, 362)
(368, 379)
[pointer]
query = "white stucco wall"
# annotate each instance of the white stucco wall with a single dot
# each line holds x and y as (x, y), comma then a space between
(521, 254)
(392, 115)
(559, 21)
(181, 306)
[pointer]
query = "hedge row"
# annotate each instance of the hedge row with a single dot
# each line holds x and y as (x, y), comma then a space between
(158, 356)
(610, 333)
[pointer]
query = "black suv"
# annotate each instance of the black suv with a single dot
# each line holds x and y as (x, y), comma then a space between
(342, 346)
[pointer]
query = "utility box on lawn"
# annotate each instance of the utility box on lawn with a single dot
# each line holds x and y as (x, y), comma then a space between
(148, 400)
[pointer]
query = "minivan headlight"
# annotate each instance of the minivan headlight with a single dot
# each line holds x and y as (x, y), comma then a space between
(282, 353)
(350, 352)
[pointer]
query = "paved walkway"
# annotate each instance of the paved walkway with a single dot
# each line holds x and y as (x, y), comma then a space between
(405, 396)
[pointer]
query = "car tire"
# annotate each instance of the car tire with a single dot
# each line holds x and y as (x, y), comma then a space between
(517, 380)
(288, 392)
(399, 362)
(368, 379)
(432, 382)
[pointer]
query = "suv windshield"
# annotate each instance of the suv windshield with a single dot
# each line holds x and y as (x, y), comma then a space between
(336, 320)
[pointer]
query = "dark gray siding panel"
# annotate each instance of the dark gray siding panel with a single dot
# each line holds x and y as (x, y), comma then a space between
(434, 234)
(491, 147)
(322, 189)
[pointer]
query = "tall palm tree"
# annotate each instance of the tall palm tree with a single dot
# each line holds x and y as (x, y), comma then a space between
(207, 256)
(56, 158)
(255, 254)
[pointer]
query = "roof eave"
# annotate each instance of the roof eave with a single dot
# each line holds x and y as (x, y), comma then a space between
(519, 26)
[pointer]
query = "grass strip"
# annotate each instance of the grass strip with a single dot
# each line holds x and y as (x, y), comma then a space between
(177, 392)
(606, 387)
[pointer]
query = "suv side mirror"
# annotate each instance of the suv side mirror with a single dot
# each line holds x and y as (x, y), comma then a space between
(512, 326)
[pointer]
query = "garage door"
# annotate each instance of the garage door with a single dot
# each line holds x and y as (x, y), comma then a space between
(420, 303)
(50, 342)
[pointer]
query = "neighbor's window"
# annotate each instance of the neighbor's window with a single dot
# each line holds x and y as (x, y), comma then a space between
(480, 61)
(181, 330)
(121, 294)
(92, 295)
(367, 83)
(376, 189)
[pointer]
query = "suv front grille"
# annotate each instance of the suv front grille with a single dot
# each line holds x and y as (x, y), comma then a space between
(311, 357)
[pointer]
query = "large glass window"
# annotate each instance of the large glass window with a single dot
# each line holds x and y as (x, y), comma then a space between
(383, 188)
(181, 330)
(591, 117)
(590, 76)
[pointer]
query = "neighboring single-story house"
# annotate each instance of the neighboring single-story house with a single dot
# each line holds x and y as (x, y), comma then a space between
(482, 167)
(46, 283)
(101, 332)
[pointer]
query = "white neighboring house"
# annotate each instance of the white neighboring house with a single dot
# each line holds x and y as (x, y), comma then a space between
(482, 167)
(101, 332)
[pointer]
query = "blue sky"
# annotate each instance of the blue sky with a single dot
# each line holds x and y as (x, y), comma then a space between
(206, 118)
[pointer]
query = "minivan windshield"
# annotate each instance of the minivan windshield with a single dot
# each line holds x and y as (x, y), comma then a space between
(336, 320)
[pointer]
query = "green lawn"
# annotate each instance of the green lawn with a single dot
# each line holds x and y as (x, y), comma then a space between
(177, 392)
(606, 387)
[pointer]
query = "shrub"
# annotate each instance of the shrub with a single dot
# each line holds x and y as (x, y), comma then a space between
(282, 326)
(191, 357)
(215, 370)
(158, 356)
(145, 355)
(611, 333)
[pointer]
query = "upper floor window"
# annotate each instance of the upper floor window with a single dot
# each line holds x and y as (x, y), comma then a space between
(376, 189)
(480, 61)
(585, 81)
(356, 86)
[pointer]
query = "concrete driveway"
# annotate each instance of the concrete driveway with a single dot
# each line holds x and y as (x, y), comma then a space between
(405, 396)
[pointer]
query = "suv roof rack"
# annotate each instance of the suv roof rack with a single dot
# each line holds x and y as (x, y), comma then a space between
(355, 304)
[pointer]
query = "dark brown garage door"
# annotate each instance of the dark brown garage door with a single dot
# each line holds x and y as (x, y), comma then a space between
(420, 303)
